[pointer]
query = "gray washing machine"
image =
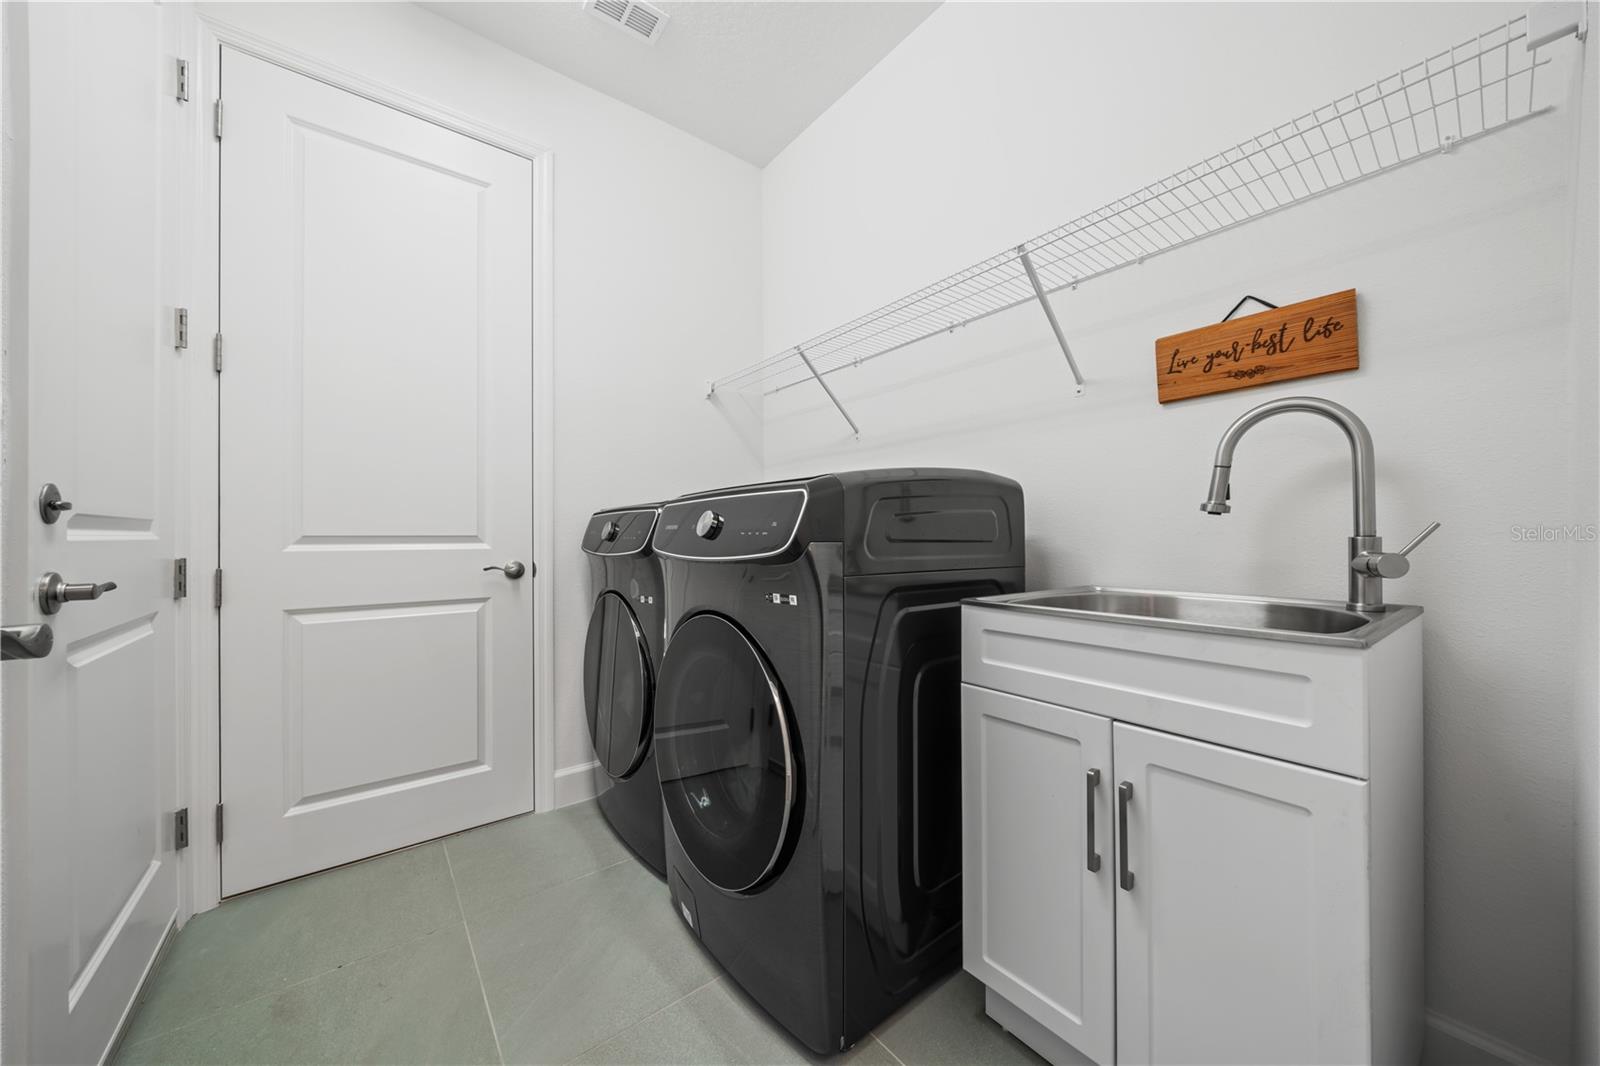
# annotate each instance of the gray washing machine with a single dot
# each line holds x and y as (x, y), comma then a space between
(621, 657)
(808, 730)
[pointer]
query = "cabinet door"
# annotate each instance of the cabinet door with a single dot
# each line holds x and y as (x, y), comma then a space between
(1242, 933)
(1038, 885)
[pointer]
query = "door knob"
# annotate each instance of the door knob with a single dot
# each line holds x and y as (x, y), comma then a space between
(54, 590)
(513, 569)
(51, 505)
(25, 642)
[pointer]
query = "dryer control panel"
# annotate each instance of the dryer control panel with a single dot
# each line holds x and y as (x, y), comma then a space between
(619, 532)
(752, 525)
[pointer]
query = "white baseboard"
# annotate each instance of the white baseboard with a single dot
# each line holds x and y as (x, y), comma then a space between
(574, 784)
(1452, 1043)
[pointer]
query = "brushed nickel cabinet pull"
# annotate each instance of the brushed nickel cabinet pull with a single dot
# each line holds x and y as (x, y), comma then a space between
(1124, 797)
(1091, 784)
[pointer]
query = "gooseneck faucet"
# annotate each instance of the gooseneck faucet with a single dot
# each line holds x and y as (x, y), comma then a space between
(1369, 563)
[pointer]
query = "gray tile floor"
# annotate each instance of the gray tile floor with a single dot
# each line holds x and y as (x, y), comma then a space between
(535, 940)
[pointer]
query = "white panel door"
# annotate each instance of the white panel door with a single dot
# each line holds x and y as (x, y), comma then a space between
(376, 457)
(101, 370)
(1242, 937)
(1038, 905)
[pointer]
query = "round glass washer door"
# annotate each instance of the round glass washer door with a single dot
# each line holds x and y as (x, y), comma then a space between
(617, 685)
(725, 752)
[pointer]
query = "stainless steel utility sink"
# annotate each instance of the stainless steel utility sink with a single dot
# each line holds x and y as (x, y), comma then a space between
(1304, 621)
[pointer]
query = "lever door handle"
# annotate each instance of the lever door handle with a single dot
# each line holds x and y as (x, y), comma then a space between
(54, 590)
(513, 569)
(26, 642)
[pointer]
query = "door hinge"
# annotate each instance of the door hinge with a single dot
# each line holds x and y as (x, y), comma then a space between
(216, 589)
(218, 119)
(180, 829)
(183, 81)
(180, 578)
(219, 823)
(180, 327)
(216, 353)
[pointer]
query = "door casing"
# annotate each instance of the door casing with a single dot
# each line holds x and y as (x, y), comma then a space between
(199, 765)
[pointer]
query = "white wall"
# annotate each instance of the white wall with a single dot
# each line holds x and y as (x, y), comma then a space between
(992, 123)
(1586, 577)
(657, 278)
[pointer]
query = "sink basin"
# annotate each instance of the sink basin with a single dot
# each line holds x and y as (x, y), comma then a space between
(1305, 621)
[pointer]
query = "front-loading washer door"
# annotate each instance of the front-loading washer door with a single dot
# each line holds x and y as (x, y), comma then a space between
(726, 753)
(617, 685)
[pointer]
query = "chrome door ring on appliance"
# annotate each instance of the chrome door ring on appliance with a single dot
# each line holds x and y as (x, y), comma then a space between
(721, 724)
(616, 654)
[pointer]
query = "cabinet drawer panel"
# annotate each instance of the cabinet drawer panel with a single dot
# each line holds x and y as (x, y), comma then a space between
(1243, 937)
(1304, 707)
(1037, 919)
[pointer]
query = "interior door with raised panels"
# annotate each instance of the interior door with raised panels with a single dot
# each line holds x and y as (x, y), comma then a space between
(376, 461)
(98, 861)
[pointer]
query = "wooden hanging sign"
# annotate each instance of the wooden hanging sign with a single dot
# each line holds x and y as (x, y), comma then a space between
(1295, 341)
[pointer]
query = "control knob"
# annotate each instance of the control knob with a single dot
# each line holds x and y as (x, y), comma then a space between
(609, 531)
(708, 525)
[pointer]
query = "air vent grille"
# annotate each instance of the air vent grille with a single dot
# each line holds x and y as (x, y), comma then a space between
(634, 16)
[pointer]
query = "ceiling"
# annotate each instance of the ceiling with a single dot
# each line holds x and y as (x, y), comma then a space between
(747, 77)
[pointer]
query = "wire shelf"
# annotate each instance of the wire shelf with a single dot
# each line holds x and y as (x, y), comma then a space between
(1468, 90)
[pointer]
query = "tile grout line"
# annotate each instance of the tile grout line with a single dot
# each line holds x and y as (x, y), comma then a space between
(647, 1017)
(472, 949)
(887, 1049)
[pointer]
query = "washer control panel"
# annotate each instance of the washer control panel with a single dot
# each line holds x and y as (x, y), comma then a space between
(745, 526)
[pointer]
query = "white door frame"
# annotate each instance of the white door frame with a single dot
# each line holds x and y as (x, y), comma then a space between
(14, 700)
(199, 765)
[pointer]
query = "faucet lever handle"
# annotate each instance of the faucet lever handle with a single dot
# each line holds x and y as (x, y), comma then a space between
(1390, 564)
(1419, 538)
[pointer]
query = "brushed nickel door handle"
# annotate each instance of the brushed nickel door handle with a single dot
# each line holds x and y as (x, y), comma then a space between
(55, 590)
(26, 642)
(513, 569)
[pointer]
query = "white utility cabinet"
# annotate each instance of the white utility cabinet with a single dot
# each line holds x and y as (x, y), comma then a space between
(1187, 846)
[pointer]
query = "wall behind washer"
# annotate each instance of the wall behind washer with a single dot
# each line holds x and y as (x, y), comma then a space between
(657, 280)
(993, 122)
(1586, 576)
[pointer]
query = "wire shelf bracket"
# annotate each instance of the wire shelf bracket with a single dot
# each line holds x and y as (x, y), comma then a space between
(1469, 90)
(1049, 313)
(854, 429)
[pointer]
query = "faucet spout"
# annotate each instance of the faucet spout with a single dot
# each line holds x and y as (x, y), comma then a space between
(1363, 464)
(1217, 501)
(1367, 561)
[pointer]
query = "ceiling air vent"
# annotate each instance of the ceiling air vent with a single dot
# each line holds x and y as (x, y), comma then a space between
(636, 17)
